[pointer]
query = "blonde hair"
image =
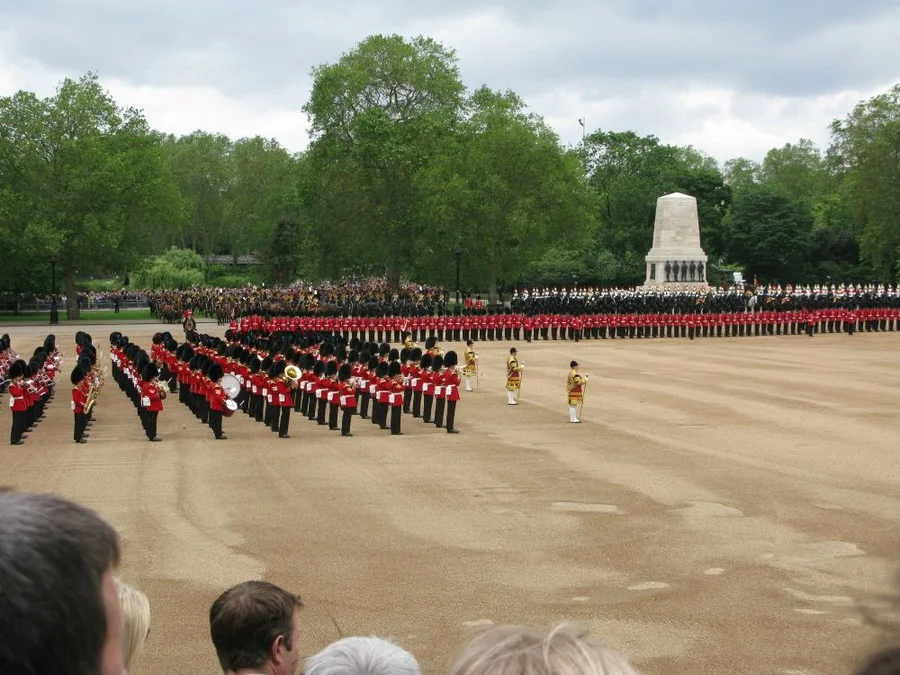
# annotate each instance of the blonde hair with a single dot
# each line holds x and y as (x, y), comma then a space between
(136, 609)
(517, 650)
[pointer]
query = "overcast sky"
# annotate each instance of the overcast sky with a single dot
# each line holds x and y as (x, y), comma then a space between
(731, 77)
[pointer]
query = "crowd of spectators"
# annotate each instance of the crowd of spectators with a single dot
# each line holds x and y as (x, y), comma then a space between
(62, 610)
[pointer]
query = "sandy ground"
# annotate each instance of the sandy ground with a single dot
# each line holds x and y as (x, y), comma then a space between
(728, 505)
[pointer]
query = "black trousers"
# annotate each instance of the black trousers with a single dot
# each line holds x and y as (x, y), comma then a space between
(80, 425)
(321, 413)
(150, 418)
(426, 413)
(439, 404)
(284, 420)
(451, 414)
(311, 407)
(395, 419)
(417, 403)
(407, 399)
(215, 422)
(364, 404)
(19, 424)
(333, 409)
(345, 421)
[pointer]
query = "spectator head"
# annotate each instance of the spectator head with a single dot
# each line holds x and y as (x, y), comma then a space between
(362, 656)
(254, 625)
(516, 650)
(136, 609)
(58, 606)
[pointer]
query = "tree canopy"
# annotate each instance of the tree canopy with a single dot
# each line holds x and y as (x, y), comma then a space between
(405, 168)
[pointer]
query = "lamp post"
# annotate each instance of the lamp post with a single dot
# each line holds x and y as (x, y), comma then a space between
(583, 128)
(457, 253)
(54, 310)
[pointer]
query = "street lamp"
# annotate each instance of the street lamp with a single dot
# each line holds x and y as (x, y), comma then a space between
(457, 253)
(54, 311)
(583, 128)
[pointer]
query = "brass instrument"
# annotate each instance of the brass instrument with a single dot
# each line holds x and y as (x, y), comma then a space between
(292, 373)
(93, 392)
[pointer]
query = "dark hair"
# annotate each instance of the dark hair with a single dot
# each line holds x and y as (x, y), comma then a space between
(246, 619)
(882, 663)
(53, 555)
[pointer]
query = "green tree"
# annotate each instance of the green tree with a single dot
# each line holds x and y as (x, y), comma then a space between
(770, 234)
(201, 164)
(796, 170)
(262, 190)
(864, 155)
(177, 268)
(741, 173)
(377, 117)
(87, 180)
(506, 193)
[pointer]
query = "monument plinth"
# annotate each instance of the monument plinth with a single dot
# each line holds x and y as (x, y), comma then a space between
(676, 257)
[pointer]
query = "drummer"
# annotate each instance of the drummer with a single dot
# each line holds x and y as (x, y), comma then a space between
(219, 403)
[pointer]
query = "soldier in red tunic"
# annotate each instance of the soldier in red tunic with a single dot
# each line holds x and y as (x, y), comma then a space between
(217, 401)
(395, 398)
(18, 402)
(151, 400)
(347, 397)
(451, 389)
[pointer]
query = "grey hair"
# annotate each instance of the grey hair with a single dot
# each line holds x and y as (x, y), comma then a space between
(362, 656)
(517, 650)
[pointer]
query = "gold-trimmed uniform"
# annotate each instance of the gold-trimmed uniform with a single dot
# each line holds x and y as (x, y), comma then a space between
(575, 387)
(513, 373)
(471, 367)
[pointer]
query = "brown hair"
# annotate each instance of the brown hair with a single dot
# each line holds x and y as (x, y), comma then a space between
(246, 619)
(53, 556)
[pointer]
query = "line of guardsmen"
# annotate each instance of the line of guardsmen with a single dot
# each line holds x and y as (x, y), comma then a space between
(519, 327)
(332, 379)
(30, 384)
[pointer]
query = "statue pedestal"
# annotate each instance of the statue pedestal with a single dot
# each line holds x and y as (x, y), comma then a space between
(676, 258)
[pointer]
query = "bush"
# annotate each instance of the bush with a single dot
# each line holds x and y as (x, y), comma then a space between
(99, 285)
(176, 269)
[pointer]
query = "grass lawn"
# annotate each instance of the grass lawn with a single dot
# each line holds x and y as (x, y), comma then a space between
(86, 315)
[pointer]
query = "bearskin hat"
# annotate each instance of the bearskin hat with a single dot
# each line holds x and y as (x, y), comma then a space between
(266, 364)
(430, 342)
(149, 372)
(254, 365)
(394, 369)
(364, 356)
(437, 363)
(77, 374)
(345, 372)
(50, 342)
(384, 349)
(393, 355)
(331, 369)
(319, 368)
(17, 369)
(451, 359)
(373, 363)
(354, 343)
(157, 338)
(382, 369)
(415, 354)
(5, 342)
(215, 372)
(404, 354)
(426, 361)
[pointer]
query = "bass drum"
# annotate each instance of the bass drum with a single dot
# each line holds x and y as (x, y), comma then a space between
(231, 385)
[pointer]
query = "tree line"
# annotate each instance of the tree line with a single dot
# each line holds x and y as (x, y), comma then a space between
(407, 169)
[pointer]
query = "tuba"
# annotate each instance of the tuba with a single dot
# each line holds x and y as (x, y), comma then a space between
(292, 373)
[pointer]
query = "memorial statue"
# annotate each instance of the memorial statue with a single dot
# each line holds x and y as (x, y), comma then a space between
(676, 242)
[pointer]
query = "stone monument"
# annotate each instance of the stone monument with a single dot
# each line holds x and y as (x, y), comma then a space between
(676, 257)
